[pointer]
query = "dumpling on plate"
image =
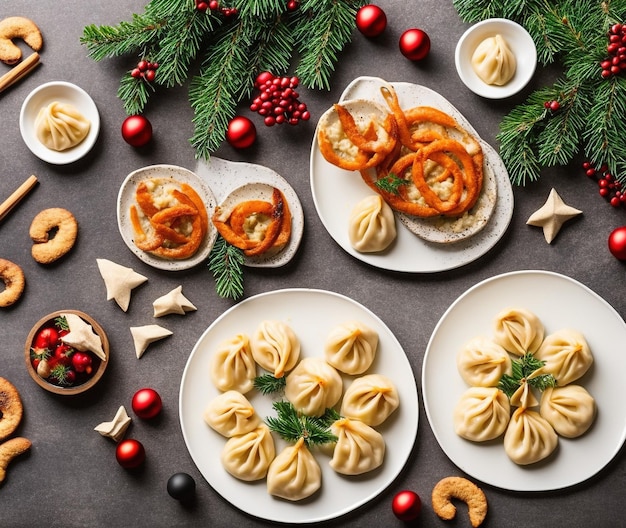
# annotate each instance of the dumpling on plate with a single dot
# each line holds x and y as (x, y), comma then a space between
(313, 386)
(275, 347)
(371, 225)
(566, 354)
(518, 331)
(294, 474)
(248, 456)
(570, 410)
(359, 447)
(371, 398)
(481, 414)
(231, 414)
(529, 437)
(351, 347)
(232, 365)
(482, 362)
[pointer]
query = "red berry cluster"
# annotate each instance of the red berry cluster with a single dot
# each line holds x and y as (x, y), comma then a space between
(278, 101)
(145, 70)
(609, 187)
(214, 5)
(553, 105)
(616, 49)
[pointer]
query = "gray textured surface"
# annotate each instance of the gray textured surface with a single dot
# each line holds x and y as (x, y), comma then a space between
(70, 478)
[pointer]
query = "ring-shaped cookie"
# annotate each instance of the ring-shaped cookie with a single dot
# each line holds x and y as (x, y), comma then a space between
(11, 409)
(53, 232)
(14, 282)
(464, 490)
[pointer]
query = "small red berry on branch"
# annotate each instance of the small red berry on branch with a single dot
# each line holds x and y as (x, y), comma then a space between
(145, 70)
(608, 186)
(616, 49)
(278, 101)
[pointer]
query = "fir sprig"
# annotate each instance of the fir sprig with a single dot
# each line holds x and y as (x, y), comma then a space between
(226, 264)
(267, 384)
(523, 370)
(291, 425)
(230, 52)
(592, 118)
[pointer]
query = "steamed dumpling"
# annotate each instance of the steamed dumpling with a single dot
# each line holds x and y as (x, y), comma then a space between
(351, 347)
(275, 347)
(359, 447)
(481, 414)
(518, 331)
(566, 354)
(294, 474)
(231, 414)
(60, 126)
(248, 456)
(313, 386)
(493, 61)
(371, 226)
(232, 365)
(482, 362)
(570, 410)
(529, 437)
(371, 399)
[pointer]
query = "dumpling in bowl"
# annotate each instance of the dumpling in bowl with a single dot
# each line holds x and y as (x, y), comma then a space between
(493, 61)
(60, 126)
(351, 347)
(372, 225)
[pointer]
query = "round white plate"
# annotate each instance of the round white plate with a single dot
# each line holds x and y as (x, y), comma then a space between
(521, 44)
(62, 92)
(559, 302)
(336, 191)
(311, 314)
(226, 177)
(126, 198)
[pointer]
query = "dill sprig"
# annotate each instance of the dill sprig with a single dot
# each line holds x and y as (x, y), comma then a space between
(390, 183)
(292, 425)
(522, 371)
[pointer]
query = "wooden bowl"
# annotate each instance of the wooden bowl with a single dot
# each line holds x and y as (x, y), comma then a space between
(99, 365)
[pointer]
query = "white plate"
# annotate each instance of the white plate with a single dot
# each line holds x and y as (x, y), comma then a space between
(224, 177)
(311, 314)
(521, 44)
(126, 198)
(336, 191)
(62, 92)
(559, 302)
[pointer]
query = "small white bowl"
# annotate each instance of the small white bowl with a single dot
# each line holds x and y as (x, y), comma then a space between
(63, 92)
(521, 44)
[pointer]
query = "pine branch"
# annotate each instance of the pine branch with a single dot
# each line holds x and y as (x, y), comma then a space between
(523, 370)
(268, 384)
(291, 425)
(226, 264)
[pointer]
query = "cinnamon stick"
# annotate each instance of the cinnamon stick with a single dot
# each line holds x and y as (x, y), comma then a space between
(20, 71)
(17, 196)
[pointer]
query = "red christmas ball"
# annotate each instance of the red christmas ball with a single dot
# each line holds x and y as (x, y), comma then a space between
(241, 132)
(147, 403)
(130, 453)
(136, 130)
(406, 505)
(414, 44)
(617, 243)
(371, 20)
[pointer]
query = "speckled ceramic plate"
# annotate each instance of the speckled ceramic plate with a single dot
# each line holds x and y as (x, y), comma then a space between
(247, 181)
(336, 191)
(126, 198)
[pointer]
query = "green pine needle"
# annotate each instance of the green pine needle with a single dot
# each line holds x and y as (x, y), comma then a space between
(226, 264)
(267, 384)
(522, 369)
(291, 425)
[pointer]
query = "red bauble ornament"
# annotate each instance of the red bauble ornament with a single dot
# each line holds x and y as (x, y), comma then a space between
(617, 243)
(414, 44)
(130, 453)
(147, 403)
(241, 132)
(136, 130)
(371, 20)
(406, 505)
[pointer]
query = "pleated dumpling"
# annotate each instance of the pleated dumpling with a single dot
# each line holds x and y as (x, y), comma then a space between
(482, 362)
(232, 365)
(371, 398)
(351, 347)
(275, 347)
(231, 414)
(566, 354)
(493, 61)
(371, 225)
(294, 474)
(60, 126)
(570, 410)
(481, 414)
(248, 456)
(529, 437)
(518, 331)
(359, 447)
(313, 386)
